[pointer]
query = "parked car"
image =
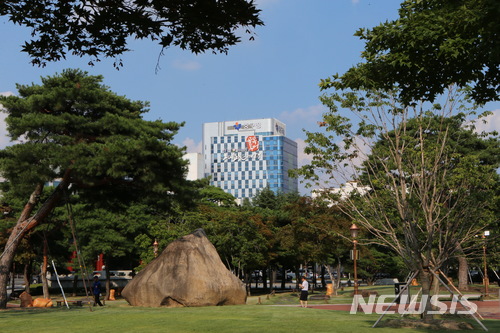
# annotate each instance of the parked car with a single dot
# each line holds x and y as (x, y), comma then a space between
(386, 281)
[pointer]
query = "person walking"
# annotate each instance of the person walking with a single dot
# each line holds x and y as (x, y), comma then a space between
(96, 290)
(304, 292)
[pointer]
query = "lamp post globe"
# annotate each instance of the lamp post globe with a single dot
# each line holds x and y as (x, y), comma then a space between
(354, 231)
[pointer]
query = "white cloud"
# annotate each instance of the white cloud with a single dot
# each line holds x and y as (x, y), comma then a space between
(302, 158)
(489, 123)
(311, 114)
(187, 65)
(192, 146)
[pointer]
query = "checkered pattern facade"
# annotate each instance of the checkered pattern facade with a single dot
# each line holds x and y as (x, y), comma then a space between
(238, 170)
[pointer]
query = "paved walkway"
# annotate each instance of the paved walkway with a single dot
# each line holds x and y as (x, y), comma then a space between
(10, 305)
(487, 309)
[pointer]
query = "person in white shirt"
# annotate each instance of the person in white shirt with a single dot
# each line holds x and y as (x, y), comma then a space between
(304, 292)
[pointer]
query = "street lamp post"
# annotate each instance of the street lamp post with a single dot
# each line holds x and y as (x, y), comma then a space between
(486, 280)
(354, 234)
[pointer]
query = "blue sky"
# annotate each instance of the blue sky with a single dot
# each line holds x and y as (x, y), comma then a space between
(276, 75)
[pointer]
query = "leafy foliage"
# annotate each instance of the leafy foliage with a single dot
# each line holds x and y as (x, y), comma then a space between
(104, 28)
(216, 196)
(433, 44)
(292, 231)
(376, 262)
(425, 178)
(73, 130)
(73, 122)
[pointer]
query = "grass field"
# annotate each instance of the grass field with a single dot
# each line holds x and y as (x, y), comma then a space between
(244, 318)
(118, 316)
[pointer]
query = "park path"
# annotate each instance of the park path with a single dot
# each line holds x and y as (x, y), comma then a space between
(487, 309)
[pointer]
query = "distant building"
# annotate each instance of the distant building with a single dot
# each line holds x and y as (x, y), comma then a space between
(195, 167)
(344, 191)
(245, 156)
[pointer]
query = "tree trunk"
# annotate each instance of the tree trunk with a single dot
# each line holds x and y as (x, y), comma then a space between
(20, 229)
(323, 282)
(27, 277)
(248, 281)
(339, 275)
(463, 270)
(297, 277)
(43, 270)
(435, 286)
(108, 278)
(272, 278)
(334, 283)
(314, 282)
(426, 279)
(76, 276)
(23, 226)
(12, 278)
(283, 277)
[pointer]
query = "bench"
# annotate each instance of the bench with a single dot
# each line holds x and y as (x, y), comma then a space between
(75, 303)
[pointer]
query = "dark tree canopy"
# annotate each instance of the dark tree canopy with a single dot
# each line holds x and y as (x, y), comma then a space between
(102, 28)
(75, 130)
(73, 122)
(434, 43)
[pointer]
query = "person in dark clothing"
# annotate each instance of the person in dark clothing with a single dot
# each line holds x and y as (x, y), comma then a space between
(96, 290)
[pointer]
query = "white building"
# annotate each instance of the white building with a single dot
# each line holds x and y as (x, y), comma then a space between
(344, 191)
(195, 167)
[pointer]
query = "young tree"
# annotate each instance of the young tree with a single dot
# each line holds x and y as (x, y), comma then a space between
(420, 193)
(266, 198)
(74, 129)
(311, 233)
(375, 260)
(108, 228)
(103, 28)
(37, 240)
(433, 44)
(214, 195)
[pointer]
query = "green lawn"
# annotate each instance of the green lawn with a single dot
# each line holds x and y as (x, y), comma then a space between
(119, 317)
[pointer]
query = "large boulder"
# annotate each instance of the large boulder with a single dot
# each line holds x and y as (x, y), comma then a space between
(189, 272)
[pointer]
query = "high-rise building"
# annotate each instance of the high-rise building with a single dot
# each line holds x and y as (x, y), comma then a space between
(245, 156)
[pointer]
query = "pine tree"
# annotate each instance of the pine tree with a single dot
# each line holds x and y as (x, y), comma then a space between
(73, 129)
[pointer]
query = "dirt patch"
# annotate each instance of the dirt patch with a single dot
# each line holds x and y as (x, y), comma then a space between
(436, 324)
